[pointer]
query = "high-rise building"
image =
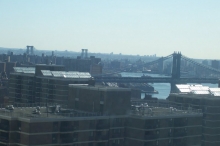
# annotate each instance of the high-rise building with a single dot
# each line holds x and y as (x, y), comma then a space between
(207, 99)
(43, 83)
(146, 124)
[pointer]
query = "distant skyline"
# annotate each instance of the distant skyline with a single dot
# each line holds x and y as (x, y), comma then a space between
(137, 27)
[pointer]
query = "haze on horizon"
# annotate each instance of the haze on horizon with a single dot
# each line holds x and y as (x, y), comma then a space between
(141, 27)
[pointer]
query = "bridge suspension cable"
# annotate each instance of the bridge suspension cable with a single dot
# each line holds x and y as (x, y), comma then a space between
(158, 60)
(201, 65)
(148, 63)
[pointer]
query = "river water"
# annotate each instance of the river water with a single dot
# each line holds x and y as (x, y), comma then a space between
(162, 88)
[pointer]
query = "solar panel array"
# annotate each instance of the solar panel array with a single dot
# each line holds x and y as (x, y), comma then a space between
(198, 89)
(63, 74)
(46, 73)
(215, 91)
(58, 74)
(28, 70)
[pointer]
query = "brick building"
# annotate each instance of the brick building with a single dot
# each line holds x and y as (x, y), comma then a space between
(207, 99)
(103, 99)
(90, 115)
(162, 127)
(43, 83)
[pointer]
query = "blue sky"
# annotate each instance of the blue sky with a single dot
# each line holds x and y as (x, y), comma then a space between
(143, 27)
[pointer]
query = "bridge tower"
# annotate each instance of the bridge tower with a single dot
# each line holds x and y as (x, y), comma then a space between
(176, 65)
(161, 65)
(175, 71)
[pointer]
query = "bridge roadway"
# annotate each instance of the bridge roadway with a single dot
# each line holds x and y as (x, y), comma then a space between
(155, 80)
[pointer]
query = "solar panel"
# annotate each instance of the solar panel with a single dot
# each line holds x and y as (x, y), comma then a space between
(29, 71)
(24, 69)
(216, 93)
(182, 86)
(214, 89)
(194, 88)
(84, 75)
(204, 88)
(70, 76)
(57, 73)
(201, 92)
(185, 90)
(46, 72)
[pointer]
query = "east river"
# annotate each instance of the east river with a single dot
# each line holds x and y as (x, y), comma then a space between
(162, 88)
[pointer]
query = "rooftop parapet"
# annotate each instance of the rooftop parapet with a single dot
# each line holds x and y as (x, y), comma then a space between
(42, 111)
(161, 109)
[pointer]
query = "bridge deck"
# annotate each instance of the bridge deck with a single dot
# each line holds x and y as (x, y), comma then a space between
(155, 80)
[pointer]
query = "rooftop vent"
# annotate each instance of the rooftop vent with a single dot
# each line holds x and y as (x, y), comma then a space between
(10, 107)
(36, 111)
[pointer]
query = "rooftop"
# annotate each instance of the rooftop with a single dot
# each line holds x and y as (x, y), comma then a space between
(153, 109)
(42, 112)
(197, 90)
(55, 74)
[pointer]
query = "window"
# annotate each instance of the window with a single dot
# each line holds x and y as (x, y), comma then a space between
(91, 133)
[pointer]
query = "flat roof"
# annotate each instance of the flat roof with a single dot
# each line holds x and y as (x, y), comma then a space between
(196, 96)
(197, 89)
(27, 114)
(52, 74)
(151, 110)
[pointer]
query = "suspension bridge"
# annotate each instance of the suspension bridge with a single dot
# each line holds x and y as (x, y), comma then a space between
(205, 73)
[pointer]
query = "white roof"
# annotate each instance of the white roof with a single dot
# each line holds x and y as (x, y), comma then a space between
(214, 89)
(198, 89)
(216, 93)
(185, 90)
(201, 92)
(28, 70)
(182, 86)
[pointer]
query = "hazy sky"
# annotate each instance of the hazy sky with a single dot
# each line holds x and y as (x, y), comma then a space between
(143, 27)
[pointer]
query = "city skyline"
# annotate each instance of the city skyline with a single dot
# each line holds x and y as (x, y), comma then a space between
(127, 27)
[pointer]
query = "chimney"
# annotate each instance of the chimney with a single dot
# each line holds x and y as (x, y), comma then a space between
(86, 53)
(27, 50)
(82, 54)
(32, 50)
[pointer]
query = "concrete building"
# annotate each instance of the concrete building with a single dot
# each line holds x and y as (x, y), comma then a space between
(207, 99)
